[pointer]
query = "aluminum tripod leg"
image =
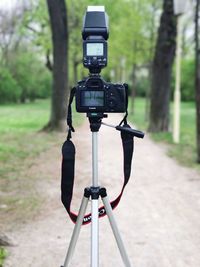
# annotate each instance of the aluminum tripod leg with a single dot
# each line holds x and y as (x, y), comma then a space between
(95, 204)
(76, 231)
(115, 230)
(95, 234)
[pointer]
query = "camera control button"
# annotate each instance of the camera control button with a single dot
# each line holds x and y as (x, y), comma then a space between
(112, 103)
(94, 62)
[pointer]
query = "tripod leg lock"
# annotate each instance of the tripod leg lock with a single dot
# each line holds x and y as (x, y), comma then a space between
(95, 192)
(103, 192)
(87, 192)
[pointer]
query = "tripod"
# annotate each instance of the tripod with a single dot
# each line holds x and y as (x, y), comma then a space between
(94, 192)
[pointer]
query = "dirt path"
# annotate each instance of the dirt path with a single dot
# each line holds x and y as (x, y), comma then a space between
(158, 216)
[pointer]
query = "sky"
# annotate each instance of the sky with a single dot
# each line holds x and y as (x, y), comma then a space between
(8, 4)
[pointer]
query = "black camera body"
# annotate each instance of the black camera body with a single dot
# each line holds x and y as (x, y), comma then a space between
(96, 95)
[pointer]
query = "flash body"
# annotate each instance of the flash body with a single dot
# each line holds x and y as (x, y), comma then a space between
(95, 33)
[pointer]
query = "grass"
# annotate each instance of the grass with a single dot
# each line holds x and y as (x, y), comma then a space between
(21, 143)
(19, 126)
(17, 123)
(185, 152)
(3, 255)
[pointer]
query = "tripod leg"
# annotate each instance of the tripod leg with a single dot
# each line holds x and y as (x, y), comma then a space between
(95, 234)
(76, 231)
(115, 230)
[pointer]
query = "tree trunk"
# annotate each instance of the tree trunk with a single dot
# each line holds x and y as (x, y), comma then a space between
(133, 89)
(58, 21)
(75, 64)
(162, 70)
(75, 70)
(148, 93)
(197, 79)
(151, 53)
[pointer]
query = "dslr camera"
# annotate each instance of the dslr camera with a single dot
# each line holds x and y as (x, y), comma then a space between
(93, 94)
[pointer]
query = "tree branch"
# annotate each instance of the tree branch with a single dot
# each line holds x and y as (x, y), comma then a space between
(32, 29)
(49, 64)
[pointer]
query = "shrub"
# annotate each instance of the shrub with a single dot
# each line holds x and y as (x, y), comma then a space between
(9, 88)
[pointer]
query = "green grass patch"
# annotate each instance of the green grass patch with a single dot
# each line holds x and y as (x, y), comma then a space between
(185, 152)
(19, 127)
(3, 255)
(20, 135)
(21, 142)
(139, 117)
(24, 118)
(19, 132)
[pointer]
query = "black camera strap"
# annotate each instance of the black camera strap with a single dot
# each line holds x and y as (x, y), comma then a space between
(69, 114)
(68, 164)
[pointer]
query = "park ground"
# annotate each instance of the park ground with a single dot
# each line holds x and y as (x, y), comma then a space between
(158, 216)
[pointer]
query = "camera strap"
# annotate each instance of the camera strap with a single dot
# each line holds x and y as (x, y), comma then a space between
(68, 165)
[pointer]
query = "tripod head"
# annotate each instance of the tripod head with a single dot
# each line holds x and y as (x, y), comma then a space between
(95, 120)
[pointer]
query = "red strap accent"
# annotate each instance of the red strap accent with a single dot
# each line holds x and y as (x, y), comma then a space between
(102, 212)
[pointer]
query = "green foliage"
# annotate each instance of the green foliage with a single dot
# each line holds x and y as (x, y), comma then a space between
(133, 27)
(36, 25)
(25, 78)
(142, 86)
(187, 80)
(9, 88)
(32, 76)
(23, 74)
(130, 38)
(3, 255)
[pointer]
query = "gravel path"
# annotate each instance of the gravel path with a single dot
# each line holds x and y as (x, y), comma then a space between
(158, 216)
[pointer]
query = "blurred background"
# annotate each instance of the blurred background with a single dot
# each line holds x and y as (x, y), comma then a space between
(154, 46)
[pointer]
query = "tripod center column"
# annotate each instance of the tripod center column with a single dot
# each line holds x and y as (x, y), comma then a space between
(95, 159)
(95, 204)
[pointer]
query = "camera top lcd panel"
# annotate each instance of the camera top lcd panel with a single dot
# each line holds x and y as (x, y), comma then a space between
(95, 33)
(96, 95)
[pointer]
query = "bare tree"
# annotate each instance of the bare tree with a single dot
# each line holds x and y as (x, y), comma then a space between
(10, 38)
(197, 79)
(162, 70)
(154, 7)
(59, 27)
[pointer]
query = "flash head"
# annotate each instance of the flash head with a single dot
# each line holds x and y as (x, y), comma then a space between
(95, 23)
